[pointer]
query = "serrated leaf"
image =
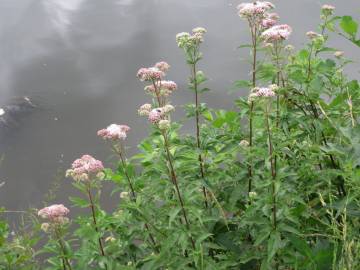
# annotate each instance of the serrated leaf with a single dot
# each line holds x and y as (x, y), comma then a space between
(349, 26)
(274, 245)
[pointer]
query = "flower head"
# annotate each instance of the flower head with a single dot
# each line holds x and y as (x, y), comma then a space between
(145, 109)
(114, 132)
(244, 143)
(255, 9)
(150, 74)
(45, 227)
(339, 54)
(55, 213)
(252, 194)
(84, 168)
(163, 88)
(124, 194)
(312, 35)
(186, 41)
(264, 91)
(267, 23)
(183, 36)
(327, 9)
(200, 30)
(164, 124)
(269, 20)
(168, 108)
(162, 66)
(155, 115)
(277, 33)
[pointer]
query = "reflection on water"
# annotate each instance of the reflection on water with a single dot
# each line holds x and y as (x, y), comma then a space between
(60, 13)
(77, 60)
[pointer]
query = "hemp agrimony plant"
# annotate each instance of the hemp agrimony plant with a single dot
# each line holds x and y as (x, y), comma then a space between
(191, 46)
(273, 184)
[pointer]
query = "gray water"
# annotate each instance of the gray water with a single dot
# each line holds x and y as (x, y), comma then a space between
(77, 61)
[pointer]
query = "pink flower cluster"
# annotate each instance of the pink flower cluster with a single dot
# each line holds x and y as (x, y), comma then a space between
(155, 115)
(277, 33)
(114, 132)
(266, 92)
(55, 213)
(158, 87)
(162, 66)
(270, 19)
(164, 88)
(84, 168)
(255, 9)
(150, 74)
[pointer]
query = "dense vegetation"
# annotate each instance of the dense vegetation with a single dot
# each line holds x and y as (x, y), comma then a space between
(274, 184)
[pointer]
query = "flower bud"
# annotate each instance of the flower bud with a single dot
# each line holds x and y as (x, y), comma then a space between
(339, 54)
(124, 195)
(244, 143)
(164, 124)
(252, 194)
(45, 227)
(168, 108)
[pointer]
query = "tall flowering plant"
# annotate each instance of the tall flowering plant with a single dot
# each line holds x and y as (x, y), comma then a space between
(272, 184)
(87, 172)
(190, 43)
(160, 118)
(55, 215)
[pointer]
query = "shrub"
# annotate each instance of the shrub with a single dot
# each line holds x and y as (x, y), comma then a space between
(271, 185)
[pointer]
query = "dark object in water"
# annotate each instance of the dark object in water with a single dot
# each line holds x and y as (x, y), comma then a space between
(12, 113)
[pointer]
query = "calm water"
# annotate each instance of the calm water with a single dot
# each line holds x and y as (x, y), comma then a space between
(77, 61)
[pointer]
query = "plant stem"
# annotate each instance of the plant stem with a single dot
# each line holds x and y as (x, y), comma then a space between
(273, 167)
(65, 261)
(254, 49)
(92, 207)
(341, 186)
(175, 182)
(157, 93)
(124, 164)
(197, 120)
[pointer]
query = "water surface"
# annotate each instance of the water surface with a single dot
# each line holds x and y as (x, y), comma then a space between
(77, 61)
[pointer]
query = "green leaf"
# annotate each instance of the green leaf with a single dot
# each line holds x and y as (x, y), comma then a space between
(301, 246)
(349, 25)
(79, 202)
(207, 115)
(173, 214)
(274, 245)
(242, 84)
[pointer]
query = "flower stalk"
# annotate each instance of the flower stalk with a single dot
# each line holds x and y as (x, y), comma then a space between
(176, 185)
(93, 212)
(190, 43)
(120, 152)
(272, 165)
(197, 121)
(65, 260)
